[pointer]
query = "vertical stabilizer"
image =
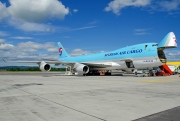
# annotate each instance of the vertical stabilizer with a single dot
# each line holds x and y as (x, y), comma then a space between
(169, 41)
(62, 51)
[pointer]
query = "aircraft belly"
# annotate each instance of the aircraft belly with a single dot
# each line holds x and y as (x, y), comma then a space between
(107, 68)
(113, 66)
(147, 62)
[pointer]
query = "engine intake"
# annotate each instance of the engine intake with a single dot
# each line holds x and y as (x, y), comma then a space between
(81, 68)
(44, 66)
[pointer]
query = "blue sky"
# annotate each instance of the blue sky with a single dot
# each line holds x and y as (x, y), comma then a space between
(30, 29)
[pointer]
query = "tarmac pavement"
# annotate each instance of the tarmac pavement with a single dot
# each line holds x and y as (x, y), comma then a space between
(53, 97)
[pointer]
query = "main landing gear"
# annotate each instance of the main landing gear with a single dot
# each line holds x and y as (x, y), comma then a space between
(98, 73)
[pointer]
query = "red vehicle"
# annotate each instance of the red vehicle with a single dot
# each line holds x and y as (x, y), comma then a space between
(164, 71)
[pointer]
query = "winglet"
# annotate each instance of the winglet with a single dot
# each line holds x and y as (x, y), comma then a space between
(169, 41)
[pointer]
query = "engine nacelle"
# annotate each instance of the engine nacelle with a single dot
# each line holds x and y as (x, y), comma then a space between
(44, 66)
(81, 68)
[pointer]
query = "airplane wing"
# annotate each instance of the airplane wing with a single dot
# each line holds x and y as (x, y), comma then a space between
(93, 64)
(23, 61)
(38, 62)
(80, 67)
(57, 62)
(43, 65)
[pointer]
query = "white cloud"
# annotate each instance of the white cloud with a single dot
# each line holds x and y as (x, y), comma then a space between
(169, 5)
(82, 28)
(2, 41)
(172, 55)
(30, 26)
(116, 5)
(37, 11)
(50, 47)
(34, 47)
(2, 33)
(28, 51)
(20, 37)
(164, 5)
(6, 46)
(52, 50)
(76, 29)
(3, 11)
(141, 31)
(77, 52)
(75, 10)
(29, 46)
(29, 15)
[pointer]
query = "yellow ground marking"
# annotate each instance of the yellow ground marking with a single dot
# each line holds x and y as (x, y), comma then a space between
(173, 63)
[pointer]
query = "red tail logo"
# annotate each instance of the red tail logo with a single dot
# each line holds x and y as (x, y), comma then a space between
(60, 51)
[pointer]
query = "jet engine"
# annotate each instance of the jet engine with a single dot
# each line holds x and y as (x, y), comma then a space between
(81, 68)
(44, 66)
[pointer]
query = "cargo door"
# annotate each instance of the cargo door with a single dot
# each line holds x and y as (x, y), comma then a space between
(129, 64)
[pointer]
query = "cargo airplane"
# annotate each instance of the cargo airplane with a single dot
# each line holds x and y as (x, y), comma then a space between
(138, 56)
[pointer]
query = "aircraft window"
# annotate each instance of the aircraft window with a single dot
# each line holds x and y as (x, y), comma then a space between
(145, 46)
(155, 45)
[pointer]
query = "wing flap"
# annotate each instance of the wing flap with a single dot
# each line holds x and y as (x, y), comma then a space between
(98, 65)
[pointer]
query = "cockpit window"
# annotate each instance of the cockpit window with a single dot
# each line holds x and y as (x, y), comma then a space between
(145, 46)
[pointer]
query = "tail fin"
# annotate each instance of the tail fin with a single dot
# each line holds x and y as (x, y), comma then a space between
(62, 51)
(169, 41)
